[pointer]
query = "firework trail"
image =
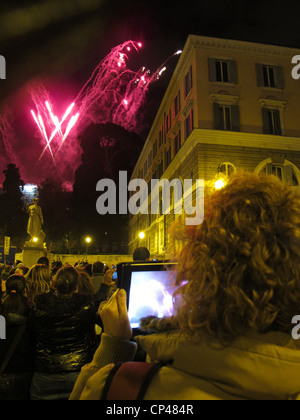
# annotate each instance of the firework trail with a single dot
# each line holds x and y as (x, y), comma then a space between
(8, 137)
(113, 93)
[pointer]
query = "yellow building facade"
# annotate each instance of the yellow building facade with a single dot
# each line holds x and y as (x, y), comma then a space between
(230, 105)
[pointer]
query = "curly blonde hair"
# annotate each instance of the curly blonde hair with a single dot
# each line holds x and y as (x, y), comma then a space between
(242, 264)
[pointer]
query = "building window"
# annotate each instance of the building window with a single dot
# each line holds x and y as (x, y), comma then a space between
(226, 117)
(160, 169)
(188, 82)
(271, 121)
(277, 171)
(226, 169)
(285, 172)
(177, 142)
(168, 158)
(177, 104)
(149, 160)
(188, 125)
(224, 71)
(160, 138)
(167, 121)
(155, 149)
(270, 76)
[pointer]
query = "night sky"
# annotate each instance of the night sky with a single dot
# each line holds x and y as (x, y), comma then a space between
(60, 42)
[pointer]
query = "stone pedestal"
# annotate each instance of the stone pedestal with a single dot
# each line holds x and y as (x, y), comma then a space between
(31, 254)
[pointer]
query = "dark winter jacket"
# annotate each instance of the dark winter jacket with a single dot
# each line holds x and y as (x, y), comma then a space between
(23, 357)
(65, 332)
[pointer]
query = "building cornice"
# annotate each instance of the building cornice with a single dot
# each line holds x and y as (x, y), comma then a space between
(230, 138)
(273, 103)
(225, 99)
(242, 46)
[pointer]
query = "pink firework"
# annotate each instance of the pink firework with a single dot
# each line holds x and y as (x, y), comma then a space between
(54, 131)
(113, 93)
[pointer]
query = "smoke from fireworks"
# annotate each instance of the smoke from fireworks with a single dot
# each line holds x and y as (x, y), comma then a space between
(8, 138)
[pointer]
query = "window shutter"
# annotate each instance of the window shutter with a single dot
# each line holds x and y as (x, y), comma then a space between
(235, 118)
(188, 81)
(191, 77)
(232, 65)
(269, 168)
(279, 77)
(259, 75)
(217, 119)
(212, 70)
(265, 117)
(288, 174)
(277, 122)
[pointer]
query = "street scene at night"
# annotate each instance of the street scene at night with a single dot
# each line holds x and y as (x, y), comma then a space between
(149, 203)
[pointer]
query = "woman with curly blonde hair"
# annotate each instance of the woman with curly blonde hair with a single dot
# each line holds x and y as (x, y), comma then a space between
(243, 262)
(38, 282)
(238, 291)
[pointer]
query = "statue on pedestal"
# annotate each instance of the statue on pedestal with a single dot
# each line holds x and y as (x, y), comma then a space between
(35, 224)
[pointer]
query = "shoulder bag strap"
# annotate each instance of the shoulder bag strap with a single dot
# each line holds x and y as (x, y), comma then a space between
(130, 381)
(13, 348)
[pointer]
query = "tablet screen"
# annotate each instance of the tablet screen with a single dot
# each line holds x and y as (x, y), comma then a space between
(150, 295)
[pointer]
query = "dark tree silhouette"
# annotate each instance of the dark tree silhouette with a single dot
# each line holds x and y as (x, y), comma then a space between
(13, 183)
(107, 149)
(12, 212)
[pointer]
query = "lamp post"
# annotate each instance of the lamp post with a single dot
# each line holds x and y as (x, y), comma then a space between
(141, 238)
(88, 241)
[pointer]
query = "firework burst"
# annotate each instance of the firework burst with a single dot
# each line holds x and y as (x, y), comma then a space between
(113, 93)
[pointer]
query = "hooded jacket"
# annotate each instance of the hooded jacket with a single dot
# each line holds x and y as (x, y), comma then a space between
(65, 332)
(256, 367)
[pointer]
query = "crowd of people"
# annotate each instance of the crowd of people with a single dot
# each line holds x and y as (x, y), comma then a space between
(52, 326)
(238, 290)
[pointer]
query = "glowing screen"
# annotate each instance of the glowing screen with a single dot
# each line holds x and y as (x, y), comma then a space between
(150, 295)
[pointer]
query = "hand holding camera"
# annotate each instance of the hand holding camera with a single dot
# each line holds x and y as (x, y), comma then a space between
(114, 316)
(109, 277)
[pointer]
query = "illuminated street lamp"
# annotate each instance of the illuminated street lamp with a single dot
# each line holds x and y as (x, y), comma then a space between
(219, 184)
(142, 235)
(88, 241)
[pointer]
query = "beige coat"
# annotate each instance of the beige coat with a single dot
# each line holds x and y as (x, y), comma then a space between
(256, 367)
